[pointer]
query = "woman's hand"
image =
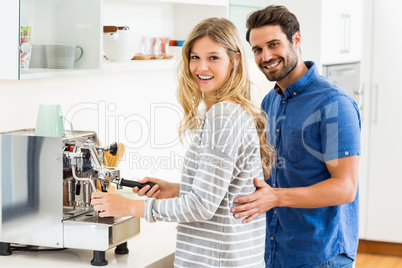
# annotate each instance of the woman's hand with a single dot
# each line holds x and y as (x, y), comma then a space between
(161, 190)
(116, 205)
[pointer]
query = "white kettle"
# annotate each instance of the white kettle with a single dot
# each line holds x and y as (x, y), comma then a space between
(119, 43)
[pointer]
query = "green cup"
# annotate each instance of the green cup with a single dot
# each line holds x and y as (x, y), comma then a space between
(50, 121)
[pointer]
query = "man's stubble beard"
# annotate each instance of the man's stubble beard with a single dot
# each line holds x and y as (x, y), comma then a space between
(292, 62)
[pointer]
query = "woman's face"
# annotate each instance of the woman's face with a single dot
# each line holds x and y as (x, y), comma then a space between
(210, 65)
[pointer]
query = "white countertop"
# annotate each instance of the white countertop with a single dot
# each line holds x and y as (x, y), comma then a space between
(153, 248)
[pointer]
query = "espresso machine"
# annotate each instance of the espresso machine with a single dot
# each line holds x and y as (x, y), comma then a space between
(45, 196)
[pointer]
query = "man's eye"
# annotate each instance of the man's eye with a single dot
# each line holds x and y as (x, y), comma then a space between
(275, 44)
(257, 50)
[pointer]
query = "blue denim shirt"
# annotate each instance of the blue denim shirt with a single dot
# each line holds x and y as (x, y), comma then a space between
(315, 121)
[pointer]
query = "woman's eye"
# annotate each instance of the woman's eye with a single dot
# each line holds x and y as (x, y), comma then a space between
(214, 58)
(194, 57)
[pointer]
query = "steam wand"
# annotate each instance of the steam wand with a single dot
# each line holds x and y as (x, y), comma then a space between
(91, 182)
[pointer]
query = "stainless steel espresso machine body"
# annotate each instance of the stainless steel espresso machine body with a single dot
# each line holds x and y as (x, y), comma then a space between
(46, 185)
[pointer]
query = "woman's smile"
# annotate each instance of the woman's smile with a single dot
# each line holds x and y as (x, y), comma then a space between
(210, 65)
(204, 78)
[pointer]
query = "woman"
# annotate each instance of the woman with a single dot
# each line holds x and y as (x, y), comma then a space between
(225, 154)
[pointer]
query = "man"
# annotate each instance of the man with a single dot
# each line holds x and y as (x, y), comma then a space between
(311, 197)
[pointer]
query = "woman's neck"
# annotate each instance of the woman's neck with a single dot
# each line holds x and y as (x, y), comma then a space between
(210, 102)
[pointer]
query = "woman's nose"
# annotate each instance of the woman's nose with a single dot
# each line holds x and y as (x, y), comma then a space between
(203, 65)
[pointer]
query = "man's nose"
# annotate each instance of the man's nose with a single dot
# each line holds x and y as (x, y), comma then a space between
(266, 54)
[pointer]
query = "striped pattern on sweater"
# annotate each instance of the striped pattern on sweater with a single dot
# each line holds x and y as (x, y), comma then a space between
(219, 166)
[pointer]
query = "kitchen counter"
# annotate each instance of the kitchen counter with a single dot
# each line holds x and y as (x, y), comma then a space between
(153, 247)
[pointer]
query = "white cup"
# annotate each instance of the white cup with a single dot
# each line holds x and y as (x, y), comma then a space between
(38, 56)
(62, 56)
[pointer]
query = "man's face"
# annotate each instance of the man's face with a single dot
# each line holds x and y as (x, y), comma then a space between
(273, 53)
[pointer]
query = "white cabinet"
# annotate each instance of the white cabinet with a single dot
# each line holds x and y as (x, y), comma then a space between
(384, 198)
(341, 30)
(67, 22)
(238, 13)
(331, 30)
(173, 18)
(158, 18)
(9, 47)
(81, 23)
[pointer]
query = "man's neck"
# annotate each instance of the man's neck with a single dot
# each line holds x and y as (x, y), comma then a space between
(295, 75)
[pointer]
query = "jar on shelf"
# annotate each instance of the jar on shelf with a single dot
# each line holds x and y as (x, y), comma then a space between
(25, 46)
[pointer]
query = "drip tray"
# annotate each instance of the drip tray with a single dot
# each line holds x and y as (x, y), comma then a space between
(89, 231)
(69, 213)
(91, 217)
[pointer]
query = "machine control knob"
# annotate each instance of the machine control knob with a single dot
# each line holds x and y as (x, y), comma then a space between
(113, 149)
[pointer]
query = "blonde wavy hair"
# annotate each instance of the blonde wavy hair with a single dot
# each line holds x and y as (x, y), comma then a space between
(236, 88)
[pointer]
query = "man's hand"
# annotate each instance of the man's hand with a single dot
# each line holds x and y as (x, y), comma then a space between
(262, 200)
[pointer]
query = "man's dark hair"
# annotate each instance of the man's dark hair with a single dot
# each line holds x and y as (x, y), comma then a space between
(273, 15)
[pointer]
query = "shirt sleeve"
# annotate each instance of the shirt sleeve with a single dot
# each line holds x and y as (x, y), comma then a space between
(340, 128)
(218, 148)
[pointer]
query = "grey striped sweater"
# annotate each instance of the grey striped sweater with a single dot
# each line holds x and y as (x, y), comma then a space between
(219, 166)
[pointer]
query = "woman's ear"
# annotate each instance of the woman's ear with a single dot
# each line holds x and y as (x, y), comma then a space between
(237, 59)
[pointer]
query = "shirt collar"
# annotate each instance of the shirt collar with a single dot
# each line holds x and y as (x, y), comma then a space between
(301, 84)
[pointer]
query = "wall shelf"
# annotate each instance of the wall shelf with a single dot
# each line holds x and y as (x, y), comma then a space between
(34, 73)
(224, 3)
(138, 65)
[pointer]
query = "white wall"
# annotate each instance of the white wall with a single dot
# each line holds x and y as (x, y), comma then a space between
(138, 109)
(116, 106)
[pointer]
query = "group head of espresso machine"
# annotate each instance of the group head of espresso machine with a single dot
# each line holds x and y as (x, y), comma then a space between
(83, 168)
(46, 186)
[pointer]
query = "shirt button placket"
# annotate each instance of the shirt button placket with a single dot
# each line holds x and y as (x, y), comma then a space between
(280, 114)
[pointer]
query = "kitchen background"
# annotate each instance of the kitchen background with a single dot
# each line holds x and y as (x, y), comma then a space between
(135, 103)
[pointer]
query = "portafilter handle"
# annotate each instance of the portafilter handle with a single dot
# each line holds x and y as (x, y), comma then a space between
(130, 183)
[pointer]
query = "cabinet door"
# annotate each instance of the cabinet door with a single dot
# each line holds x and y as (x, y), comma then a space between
(341, 31)
(238, 14)
(384, 209)
(9, 51)
(60, 22)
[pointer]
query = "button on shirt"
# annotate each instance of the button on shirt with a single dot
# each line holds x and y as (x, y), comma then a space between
(313, 122)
